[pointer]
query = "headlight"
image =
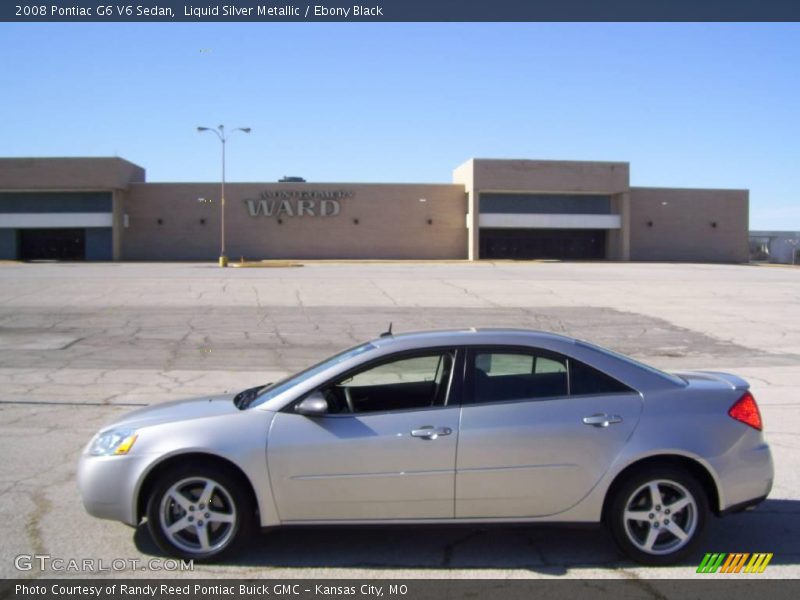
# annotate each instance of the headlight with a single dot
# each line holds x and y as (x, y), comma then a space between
(114, 441)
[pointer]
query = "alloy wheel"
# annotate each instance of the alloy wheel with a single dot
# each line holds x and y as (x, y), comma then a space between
(198, 515)
(660, 517)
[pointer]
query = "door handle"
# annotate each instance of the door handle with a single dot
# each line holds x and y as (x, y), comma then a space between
(429, 432)
(602, 420)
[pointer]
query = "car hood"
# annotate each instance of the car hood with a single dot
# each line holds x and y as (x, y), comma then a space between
(178, 410)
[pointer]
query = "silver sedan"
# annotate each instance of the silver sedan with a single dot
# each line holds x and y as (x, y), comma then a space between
(471, 426)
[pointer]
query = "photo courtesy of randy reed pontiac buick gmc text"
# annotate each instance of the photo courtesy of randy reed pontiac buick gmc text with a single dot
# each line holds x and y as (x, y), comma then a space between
(196, 589)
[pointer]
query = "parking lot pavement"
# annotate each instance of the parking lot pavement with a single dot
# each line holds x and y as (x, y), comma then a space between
(82, 343)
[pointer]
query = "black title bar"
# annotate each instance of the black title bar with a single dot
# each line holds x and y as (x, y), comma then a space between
(382, 11)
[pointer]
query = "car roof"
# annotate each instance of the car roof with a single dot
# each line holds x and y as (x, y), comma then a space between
(470, 336)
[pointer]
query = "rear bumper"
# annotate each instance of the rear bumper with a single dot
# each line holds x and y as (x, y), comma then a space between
(742, 506)
(746, 477)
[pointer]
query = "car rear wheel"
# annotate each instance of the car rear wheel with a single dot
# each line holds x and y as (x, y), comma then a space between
(657, 516)
(199, 513)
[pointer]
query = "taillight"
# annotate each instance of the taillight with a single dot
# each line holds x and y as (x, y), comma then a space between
(746, 411)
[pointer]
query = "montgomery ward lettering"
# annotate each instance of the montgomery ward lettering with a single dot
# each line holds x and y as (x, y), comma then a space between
(296, 204)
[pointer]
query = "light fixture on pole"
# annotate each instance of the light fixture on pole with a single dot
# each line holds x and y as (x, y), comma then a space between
(220, 131)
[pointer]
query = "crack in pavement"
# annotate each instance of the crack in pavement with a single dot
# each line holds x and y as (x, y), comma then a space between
(450, 547)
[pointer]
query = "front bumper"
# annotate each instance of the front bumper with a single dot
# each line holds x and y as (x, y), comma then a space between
(108, 485)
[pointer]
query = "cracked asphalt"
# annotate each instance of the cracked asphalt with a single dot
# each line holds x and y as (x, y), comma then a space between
(82, 343)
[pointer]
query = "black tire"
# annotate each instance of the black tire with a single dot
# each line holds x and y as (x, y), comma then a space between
(211, 531)
(658, 526)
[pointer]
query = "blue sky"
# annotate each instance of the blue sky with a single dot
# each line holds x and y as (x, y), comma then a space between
(706, 105)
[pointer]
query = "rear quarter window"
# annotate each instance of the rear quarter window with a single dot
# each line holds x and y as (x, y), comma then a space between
(585, 380)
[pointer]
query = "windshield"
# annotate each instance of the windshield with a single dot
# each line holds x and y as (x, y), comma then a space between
(275, 389)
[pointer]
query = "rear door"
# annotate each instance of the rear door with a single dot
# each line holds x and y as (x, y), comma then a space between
(538, 431)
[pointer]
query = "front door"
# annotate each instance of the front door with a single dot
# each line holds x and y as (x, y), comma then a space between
(385, 450)
(524, 447)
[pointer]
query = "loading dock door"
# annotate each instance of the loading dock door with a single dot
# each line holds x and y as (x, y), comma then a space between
(52, 244)
(526, 244)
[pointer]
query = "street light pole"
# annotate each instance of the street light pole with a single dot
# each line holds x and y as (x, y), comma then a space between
(220, 131)
(223, 257)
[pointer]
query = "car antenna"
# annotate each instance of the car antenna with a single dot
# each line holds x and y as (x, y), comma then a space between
(388, 332)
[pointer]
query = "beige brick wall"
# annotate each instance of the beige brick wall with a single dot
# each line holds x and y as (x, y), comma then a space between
(392, 223)
(550, 176)
(682, 225)
(68, 173)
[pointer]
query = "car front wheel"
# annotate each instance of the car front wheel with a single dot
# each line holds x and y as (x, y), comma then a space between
(199, 513)
(658, 515)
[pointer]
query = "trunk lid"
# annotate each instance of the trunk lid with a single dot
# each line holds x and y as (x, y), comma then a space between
(713, 379)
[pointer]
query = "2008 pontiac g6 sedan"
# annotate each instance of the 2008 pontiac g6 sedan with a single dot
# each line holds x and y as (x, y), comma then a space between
(472, 426)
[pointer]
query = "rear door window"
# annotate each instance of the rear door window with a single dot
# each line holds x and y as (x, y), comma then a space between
(509, 374)
(500, 376)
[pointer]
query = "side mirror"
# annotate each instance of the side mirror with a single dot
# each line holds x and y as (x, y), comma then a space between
(313, 406)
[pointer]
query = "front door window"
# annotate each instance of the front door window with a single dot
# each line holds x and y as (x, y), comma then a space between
(414, 382)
